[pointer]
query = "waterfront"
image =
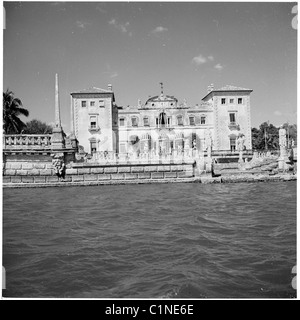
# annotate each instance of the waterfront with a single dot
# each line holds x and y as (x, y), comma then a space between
(151, 241)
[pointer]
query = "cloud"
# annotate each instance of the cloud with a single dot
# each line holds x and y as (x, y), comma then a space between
(159, 30)
(211, 58)
(219, 67)
(82, 24)
(114, 75)
(119, 26)
(277, 113)
(199, 60)
(109, 72)
(100, 8)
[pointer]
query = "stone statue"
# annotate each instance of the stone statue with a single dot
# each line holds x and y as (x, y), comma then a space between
(240, 146)
(146, 147)
(194, 144)
(59, 166)
(240, 142)
(179, 149)
(208, 142)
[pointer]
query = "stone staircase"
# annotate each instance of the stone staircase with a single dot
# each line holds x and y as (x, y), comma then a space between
(255, 166)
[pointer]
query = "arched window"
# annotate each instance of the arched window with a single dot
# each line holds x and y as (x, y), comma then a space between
(122, 122)
(162, 119)
(93, 145)
(232, 142)
(134, 121)
(146, 122)
(180, 120)
(192, 120)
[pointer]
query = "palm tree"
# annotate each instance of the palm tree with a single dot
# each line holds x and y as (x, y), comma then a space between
(12, 110)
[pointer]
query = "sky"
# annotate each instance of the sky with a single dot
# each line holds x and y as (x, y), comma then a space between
(136, 45)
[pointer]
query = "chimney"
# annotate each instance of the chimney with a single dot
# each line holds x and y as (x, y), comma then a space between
(109, 87)
(210, 88)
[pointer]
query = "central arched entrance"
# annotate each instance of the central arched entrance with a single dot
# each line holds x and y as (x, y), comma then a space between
(162, 119)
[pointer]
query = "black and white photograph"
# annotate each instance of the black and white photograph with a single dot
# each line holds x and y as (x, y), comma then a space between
(149, 151)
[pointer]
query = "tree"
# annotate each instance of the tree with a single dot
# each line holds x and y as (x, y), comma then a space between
(256, 139)
(266, 137)
(291, 131)
(37, 127)
(12, 110)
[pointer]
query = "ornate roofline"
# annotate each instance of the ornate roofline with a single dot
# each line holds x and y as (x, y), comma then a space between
(161, 98)
(227, 89)
(92, 90)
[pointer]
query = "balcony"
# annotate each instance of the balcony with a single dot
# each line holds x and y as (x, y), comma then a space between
(94, 129)
(233, 126)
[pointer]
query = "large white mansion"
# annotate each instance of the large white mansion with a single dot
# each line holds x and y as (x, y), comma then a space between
(161, 124)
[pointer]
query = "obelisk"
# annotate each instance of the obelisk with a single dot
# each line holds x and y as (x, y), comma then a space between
(57, 140)
(57, 106)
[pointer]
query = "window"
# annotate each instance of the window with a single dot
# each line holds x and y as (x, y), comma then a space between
(192, 121)
(92, 103)
(240, 100)
(93, 122)
(162, 119)
(122, 148)
(169, 121)
(232, 117)
(146, 122)
(122, 122)
(83, 104)
(232, 144)
(93, 146)
(101, 104)
(202, 120)
(231, 101)
(134, 122)
(156, 122)
(180, 120)
(223, 101)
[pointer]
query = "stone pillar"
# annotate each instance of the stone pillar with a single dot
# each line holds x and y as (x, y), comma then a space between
(72, 115)
(283, 158)
(57, 140)
(208, 147)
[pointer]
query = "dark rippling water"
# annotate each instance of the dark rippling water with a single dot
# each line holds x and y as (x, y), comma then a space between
(151, 241)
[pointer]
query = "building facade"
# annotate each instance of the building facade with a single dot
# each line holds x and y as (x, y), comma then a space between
(162, 124)
(94, 119)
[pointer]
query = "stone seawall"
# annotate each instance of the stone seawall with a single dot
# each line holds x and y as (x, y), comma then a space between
(42, 172)
(205, 179)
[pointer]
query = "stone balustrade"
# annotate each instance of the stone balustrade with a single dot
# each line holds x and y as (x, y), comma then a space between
(148, 157)
(26, 142)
